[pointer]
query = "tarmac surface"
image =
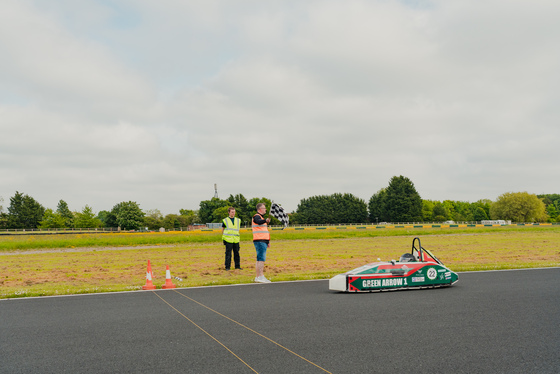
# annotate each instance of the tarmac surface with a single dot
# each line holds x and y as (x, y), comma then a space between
(489, 322)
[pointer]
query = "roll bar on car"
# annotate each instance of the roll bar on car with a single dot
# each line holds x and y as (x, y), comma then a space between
(423, 254)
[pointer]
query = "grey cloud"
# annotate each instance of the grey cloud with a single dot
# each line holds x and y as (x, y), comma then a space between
(324, 96)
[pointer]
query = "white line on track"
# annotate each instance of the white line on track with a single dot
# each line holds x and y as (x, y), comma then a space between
(486, 271)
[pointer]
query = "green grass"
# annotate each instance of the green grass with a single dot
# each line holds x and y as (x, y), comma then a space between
(89, 263)
(24, 242)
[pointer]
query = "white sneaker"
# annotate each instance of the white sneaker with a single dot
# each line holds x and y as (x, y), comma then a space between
(262, 279)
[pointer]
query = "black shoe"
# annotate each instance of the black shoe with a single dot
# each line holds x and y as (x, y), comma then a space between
(238, 268)
(227, 269)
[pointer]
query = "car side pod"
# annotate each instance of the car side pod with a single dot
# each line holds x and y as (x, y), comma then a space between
(420, 269)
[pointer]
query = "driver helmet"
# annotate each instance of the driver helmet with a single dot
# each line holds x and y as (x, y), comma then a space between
(407, 257)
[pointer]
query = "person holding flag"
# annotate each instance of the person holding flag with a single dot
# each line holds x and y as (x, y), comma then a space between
(230, 237)
(261, 240)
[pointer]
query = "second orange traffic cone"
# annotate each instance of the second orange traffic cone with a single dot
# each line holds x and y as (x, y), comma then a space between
(168, 282)
(149, 285)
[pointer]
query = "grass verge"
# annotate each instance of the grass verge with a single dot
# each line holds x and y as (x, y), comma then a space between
(82, 265)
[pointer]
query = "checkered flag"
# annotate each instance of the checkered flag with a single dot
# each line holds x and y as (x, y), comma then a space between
(278, 212)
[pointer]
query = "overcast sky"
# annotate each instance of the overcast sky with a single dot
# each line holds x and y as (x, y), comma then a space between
(156, 101)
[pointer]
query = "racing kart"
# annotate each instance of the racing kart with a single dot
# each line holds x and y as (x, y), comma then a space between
(414, 270)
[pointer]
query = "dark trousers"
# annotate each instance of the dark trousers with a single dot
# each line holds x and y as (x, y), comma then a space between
(236, 259)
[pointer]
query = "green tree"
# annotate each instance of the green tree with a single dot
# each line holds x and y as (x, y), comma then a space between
(550, 199)
(3, 216)
(191, 216)
(349, 208)
(52, 220)
(4, 221)
(480, 214)
(427, 210)
(460, 210)
(175, 221)
(128, 215)
(65, 212)
(402, 202)
(552, 203)
(86, 219)
(313, 210)
(440, 212)
(518, 207)
(24, 212)
(207, 208)
(450, 205)
(107, 218)
(153, 219)
(552, 213)
(485, 204)
(376, 206)
(455, 210)
(334, 209)
(468, 215)
(220, 213)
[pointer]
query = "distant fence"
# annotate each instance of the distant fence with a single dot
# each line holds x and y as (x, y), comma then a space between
(349, 226)
(395, 225)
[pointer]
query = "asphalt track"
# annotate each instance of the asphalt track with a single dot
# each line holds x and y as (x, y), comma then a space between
(489, 322)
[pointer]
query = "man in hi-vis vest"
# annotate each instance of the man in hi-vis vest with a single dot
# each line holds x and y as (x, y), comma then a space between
(261, 239)
(230, 236)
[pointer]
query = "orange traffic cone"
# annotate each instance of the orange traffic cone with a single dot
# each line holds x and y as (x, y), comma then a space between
(149, 285)
(168, 282)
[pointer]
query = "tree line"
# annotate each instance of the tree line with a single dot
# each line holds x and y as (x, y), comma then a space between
(398, 202)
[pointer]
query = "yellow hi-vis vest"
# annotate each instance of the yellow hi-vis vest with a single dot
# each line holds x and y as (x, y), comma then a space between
(260, 232)
(231, 232)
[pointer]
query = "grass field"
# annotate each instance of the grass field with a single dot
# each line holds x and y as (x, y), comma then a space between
(87, 263)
